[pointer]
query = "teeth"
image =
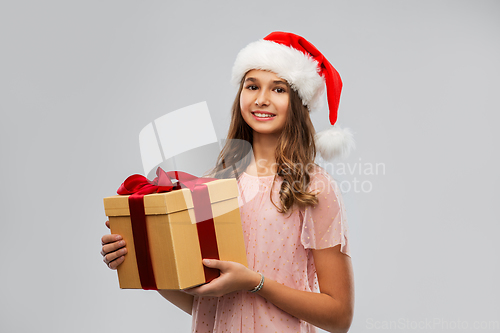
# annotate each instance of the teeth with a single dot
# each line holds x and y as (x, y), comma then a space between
(263, 115)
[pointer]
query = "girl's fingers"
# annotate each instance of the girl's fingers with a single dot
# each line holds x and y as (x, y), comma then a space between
(110, 257)
(110, 239)
(112, 247)
(117, 262)
(214, 263)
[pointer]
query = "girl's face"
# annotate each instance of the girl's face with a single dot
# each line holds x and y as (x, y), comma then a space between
(264, 101)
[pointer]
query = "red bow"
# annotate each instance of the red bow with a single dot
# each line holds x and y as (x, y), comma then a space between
(138, 184)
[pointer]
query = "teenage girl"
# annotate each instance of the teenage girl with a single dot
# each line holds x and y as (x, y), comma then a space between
(294, 225)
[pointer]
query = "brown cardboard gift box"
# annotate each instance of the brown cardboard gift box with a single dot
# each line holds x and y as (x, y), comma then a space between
(173, 237)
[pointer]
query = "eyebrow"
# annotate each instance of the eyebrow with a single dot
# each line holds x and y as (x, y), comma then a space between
(251, 79)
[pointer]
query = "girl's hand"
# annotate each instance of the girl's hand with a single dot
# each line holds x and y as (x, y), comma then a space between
(233, 277)
(113, 249)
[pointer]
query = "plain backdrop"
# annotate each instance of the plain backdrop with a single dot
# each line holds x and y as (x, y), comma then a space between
(80, 79)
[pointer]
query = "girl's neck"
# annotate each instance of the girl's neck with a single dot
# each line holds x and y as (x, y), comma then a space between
(264, 150)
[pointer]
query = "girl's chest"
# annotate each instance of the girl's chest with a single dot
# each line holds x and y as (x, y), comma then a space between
(273, 244)
(264, 222)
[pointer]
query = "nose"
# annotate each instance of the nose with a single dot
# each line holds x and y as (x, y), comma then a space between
(262, 98)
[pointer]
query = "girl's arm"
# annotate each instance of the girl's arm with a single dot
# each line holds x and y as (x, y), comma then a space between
(179, 298)
(114, 251)
(331, 309)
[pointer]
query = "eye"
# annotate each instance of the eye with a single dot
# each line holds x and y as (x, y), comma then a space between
(280, 90)
(251, 87)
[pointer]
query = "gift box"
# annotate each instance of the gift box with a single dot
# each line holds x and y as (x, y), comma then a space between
(178, 233)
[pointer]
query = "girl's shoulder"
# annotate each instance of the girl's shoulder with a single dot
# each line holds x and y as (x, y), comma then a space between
(317, 171)
(319, 176)
(321, 182)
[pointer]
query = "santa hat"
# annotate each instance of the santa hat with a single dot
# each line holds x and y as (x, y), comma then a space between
(307, 71)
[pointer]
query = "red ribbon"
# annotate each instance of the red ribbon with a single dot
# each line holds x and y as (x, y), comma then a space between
(138, 186)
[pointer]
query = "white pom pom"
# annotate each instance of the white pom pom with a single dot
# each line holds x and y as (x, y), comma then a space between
(334, 143)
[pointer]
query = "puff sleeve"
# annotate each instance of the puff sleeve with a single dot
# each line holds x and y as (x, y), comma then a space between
(324, 225)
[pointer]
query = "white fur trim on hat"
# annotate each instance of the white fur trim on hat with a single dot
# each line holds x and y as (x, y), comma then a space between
(334, 143)
(297, 68)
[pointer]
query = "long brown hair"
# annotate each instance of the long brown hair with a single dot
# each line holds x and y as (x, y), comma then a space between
(295, 152)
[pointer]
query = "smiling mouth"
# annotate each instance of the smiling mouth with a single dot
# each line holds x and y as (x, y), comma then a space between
(263, 115)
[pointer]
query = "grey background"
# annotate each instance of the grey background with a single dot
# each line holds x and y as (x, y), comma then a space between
(79, 80)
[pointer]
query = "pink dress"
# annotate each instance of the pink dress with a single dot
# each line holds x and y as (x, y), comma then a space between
(278, 246)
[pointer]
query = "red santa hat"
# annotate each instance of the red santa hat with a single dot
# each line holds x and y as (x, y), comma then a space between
(307, 71)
